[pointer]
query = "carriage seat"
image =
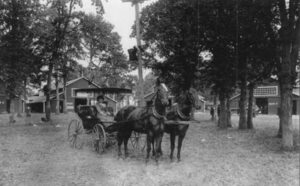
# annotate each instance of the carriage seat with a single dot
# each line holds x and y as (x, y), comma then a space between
(87, 112)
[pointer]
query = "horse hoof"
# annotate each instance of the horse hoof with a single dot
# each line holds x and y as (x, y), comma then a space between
(179, 160)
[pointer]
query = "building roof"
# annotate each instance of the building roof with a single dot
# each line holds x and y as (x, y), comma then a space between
(296, 91)
(36, 99)
(42, 99)
(73, 81)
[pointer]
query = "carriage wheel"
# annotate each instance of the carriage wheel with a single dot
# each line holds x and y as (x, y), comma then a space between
(99, 138)
(138, 140)
(75, 130)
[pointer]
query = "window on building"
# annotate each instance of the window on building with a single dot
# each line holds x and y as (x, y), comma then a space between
(81, 94)
(266, 91)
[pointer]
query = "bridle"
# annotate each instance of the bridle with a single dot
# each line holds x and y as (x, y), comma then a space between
(154, 111)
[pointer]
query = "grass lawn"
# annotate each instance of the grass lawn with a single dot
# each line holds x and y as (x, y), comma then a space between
(39, 154)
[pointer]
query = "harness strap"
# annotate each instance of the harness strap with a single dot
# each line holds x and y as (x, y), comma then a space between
(156, 114)
(180, 114)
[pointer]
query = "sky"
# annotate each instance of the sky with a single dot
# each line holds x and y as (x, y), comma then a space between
(122, 16)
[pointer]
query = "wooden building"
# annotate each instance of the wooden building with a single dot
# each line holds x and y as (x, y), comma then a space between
(267, 98)
(5, 103)
(38, 103)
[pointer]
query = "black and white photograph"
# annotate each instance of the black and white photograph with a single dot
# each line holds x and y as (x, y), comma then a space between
(149, 92)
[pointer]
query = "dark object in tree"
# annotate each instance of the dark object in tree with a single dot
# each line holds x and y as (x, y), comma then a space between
(141, 49)
(132, 54)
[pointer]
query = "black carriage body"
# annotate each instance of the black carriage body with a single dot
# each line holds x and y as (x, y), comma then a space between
(88, 115)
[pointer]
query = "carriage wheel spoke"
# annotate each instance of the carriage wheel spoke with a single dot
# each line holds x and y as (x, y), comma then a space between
(71, 139)
(74, 131)
(99, 139)
(79, 128)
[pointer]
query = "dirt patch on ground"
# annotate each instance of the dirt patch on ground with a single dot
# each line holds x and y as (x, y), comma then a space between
(39, 154)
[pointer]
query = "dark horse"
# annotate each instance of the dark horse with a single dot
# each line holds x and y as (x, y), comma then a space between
(148, 120)
(180, 111)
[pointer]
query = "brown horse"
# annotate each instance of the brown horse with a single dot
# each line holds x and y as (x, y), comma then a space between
(181, 111)
(148, 120)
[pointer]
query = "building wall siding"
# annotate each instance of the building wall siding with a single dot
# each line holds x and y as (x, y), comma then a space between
(81, 83)
(273, 101)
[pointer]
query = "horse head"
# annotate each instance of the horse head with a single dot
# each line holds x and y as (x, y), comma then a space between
(161, 94)
(160, 100)
(192, 95)
(189, 99)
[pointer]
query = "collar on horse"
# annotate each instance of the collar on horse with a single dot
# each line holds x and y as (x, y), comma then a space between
(180, 114)
(156, 114)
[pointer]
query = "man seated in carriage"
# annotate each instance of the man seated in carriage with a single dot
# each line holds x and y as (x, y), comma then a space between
(102, 112)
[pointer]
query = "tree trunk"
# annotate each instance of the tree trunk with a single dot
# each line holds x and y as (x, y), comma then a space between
(65, 95)
(286, 107)
(250, 106)
(57, 110)
(279, 135)
(12, 111)
(228, 109)
(242, 104)
(27, 108)
(290, 42)
(222, 117)
(286, 119)
(48, 89)
(214, 117)
(20, 106)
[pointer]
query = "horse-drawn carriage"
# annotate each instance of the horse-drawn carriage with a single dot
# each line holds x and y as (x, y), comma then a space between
(131, 122)
(104, 133)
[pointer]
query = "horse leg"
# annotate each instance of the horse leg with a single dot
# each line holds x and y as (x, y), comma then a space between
(153, 147)
(126, 138)
(149, 140)
(120, 141)
(180, 139)
(160, 150)
(172, 140)
(158, 140)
